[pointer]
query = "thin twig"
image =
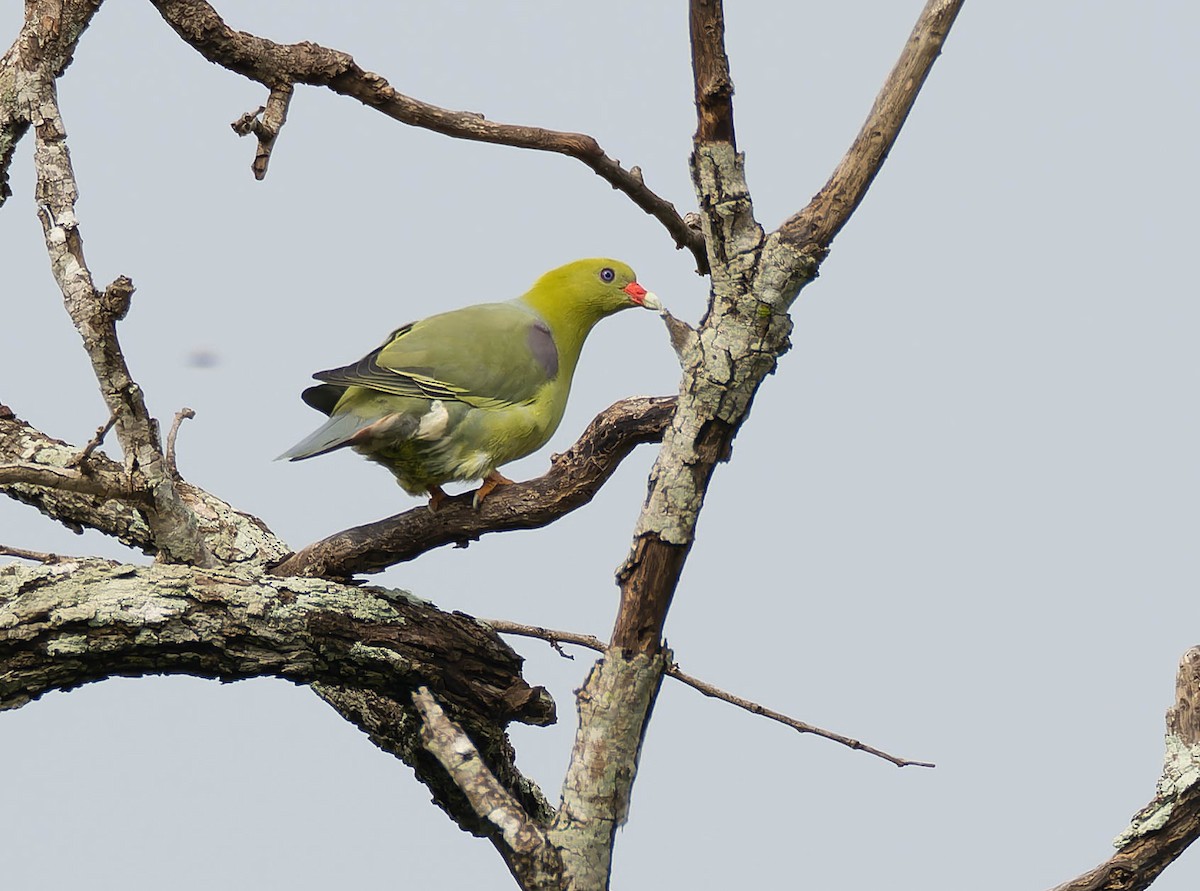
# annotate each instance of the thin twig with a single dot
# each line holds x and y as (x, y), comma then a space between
(180, 416)
(95, 442)
(272, 64)
(553, 637)
(36, 556)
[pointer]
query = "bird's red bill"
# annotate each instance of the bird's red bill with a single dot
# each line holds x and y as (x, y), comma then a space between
(636, 292)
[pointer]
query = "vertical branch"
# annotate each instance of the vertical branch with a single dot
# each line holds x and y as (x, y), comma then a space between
(710, 69)
(614, 710)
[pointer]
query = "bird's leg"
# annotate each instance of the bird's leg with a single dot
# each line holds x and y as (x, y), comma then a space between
(436, 497)
(490, 482)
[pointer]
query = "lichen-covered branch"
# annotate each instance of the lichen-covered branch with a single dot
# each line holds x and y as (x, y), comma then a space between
(573, 479)
(176, 533)
(70, 623)
(520, 838)
(124, 520)
(614, 705)
(275, 65)
(29, 99)
(755, 279)
(1164, 828)
(118, 509)
(41, 52)
(364, 650)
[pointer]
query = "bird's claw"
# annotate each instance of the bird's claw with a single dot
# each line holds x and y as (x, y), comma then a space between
(489, 484)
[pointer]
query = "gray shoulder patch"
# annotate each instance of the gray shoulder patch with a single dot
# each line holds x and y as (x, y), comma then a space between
(541, 344)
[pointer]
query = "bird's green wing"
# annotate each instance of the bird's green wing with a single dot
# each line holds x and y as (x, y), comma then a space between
(487, 356)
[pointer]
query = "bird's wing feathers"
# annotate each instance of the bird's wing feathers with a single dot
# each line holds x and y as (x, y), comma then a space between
(487, 356)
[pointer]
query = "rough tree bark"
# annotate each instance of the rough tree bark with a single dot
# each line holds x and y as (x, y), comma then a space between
(226, 598)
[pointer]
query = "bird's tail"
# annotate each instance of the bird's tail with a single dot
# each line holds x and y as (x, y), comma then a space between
(336, 433)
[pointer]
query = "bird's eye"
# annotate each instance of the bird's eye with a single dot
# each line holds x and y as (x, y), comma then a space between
(607, 275)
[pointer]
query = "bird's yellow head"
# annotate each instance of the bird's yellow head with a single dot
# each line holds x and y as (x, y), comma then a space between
(578, 295)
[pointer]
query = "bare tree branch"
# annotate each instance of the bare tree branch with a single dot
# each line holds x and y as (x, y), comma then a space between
(106, 485)
(123, 520)
(37, 556)
(265, 123)
(96, 314)
(574, 478)
(184, 414)
(813, 229)
(41, 52)
(533, 860)
(554, 637)
(275, 65)
(1164, 828)
(710, 71)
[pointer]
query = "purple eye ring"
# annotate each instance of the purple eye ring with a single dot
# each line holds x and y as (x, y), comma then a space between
(607, 275)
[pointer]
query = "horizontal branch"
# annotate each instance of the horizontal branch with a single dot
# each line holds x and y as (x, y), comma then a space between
(75, 622)
(277, 65)
(554, 638)
(574, 478)
(106, 485)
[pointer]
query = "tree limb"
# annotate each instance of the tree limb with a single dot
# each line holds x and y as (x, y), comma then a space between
(1164, 828)
(812, 229)
(614, 706)
(523, 842)
(106, 485)
(28, 94)
(232, 536)
(710, 73)
(265, 123)
(755, 279)
(86, 620)
(42, 51)
(364, 650)
(574, 478)
(123, 520)
(277, 65)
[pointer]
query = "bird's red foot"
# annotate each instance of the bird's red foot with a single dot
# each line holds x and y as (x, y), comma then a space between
(490, 482)
(436, 497)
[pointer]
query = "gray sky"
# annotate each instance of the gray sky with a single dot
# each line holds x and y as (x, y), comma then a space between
(960, 523)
